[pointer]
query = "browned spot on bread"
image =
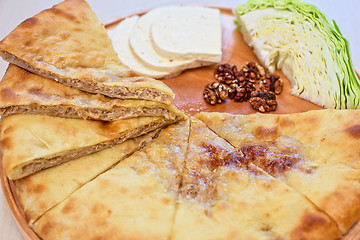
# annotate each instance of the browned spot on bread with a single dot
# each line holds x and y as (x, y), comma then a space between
(265, 134)
(9, 129)
(108, 128)
(354, 131)
(266, 185)
(97, 207)
(29, 22)
(165, 201)
(265, 227)
(312, 119)
(29, 43)
(42, 205)
(347, 198)
(69, 206)
(207, 212)
(62, 13)
(310, 222)
(64, 35)
(6, 143)
(286, 122)
(37, 188)
(97, 238)
(47, 227)
(45, 31)
(133, 74)
(122, 190)
(104, 183)
(7, 94)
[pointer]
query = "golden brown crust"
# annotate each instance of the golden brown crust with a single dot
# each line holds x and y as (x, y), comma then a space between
(41, 191)
(31, 143)
(25, 92)
(327, 142)
(237, 200)
(217, 197)
(311, 226)
(134, 200)
(67, 43)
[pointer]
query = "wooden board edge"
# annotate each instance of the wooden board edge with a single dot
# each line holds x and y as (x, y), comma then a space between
(8, 188)
(15, 207)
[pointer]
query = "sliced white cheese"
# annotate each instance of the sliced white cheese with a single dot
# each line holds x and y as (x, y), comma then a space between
(120, 38)
(189, 33)
(142, 46)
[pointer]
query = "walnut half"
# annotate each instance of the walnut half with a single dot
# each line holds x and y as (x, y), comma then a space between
(271, 83)
(263, 101)
(215, 93)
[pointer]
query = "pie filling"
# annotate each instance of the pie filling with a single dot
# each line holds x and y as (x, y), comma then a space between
(88, 113)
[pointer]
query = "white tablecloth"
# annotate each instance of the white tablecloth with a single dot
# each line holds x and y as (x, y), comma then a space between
(346, 13)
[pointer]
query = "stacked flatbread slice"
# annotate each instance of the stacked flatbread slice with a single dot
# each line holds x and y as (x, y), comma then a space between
(31, 143)
(178, 187)
(68, 44)
(41, 191)
(25, 92)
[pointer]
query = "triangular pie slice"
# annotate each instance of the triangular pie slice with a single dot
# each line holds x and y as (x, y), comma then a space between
(41, 191)
(28, 93)
(68, 43)
(31, 143)
(134, 200)
(223, 196)
(316, 153)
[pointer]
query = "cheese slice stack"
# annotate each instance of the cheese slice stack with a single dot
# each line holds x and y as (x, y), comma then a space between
(168, 40)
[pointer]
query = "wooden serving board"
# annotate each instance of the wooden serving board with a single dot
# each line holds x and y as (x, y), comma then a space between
(188, 88)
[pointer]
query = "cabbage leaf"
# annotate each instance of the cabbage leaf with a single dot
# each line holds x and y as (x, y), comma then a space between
(306, 45)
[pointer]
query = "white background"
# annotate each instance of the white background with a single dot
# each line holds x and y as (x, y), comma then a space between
(12, 12)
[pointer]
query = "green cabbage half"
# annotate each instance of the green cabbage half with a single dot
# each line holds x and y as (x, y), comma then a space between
(306, 45)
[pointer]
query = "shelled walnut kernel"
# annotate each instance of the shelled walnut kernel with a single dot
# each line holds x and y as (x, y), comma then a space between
(244, 84)
(263, 101)
(271, 82)
(225, 73)
(215, 93)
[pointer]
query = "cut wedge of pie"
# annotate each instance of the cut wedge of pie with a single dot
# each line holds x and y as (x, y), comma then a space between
(317, 153)
(223, 196)
(134, 200)
(31, 143)
(28, 93)
(41, 191)
(68, 43)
